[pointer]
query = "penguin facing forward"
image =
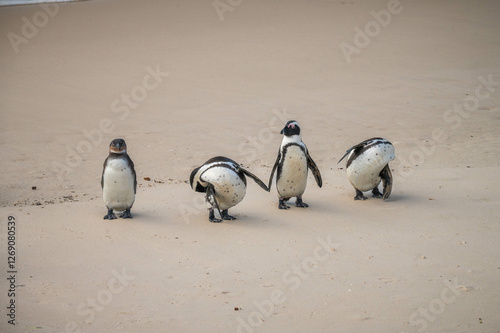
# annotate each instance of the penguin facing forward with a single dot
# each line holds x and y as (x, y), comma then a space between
(368, 165)
(118, 181)
(224, 182)
(292, 165)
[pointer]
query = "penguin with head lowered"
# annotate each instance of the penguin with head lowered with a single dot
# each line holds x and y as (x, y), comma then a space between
(368, 165)
(292, 165)
(224, 182)
(118, 181)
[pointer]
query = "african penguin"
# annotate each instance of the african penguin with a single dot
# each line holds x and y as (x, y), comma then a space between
(223, 180)
(118, 181)
(292, 164)
(367, 165)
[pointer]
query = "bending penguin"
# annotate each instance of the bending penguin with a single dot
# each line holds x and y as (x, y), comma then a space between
(367, 165)
(292, 164)
(224, 182)
(118, 181)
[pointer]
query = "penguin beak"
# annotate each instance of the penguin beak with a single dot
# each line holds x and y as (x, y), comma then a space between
(283, 131)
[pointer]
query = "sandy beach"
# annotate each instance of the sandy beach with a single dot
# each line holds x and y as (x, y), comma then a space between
(184, 81)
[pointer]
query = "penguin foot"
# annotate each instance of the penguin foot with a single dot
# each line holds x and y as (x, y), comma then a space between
(282, 204)
(126, 214)
(359, 195)
(226, 216)
(376, 193)
(300, 203)
(212, 218)
(110, 215)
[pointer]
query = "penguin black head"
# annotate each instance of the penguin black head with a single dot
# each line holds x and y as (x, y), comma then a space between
(118, 146)
(291, 128)
(197, 187)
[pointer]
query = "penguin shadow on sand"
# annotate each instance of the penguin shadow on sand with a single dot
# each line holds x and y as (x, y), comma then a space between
(262, 221)
(401, 197)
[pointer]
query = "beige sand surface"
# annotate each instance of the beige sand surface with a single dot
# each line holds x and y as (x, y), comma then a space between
(428, 259)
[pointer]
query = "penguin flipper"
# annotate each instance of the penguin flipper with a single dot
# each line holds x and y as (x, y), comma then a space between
(255, 178)
(359, 145)
(210, 197)
(386, 176)
(102, 176)
(132, 168)
(346, 153)
(314, 169)
(274, 169)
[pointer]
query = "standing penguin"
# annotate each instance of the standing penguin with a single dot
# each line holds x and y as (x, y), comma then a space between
(367, 165)
(292, 163)
(223, 180)
(118, 181)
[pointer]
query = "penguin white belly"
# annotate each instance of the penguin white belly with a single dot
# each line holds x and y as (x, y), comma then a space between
(293, 178)
(364, 171)
(118, 186)
(229, 187)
